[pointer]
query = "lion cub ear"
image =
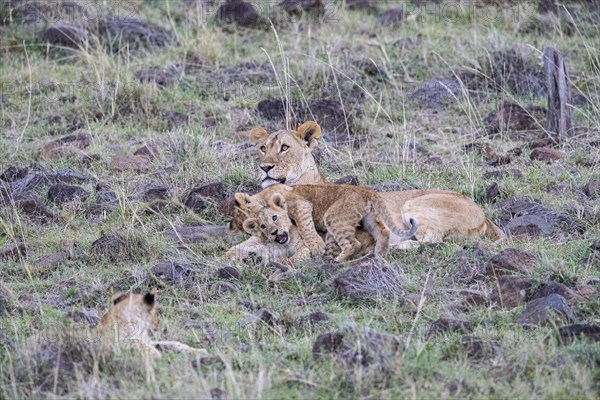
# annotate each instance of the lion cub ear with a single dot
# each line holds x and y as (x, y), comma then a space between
(150, 297)
(258, 134)
(242, 200)
(310, 133)
(251, 226)
(117, 297)
(278, 201)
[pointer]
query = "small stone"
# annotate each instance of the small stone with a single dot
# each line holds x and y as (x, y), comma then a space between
(147, 150)
(567, 334)
(229, 273)
(263, 315)
(549, 288)
(444, 325)
(132, 163)
(348, 180)
(547, 154)
(511, 291)
(513, 260)
(61, 193)
(544, 310)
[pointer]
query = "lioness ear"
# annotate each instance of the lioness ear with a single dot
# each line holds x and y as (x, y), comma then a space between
(117, 298)
(258, 134)
(251, 225)
(150, 297)
(310, 133)
(241, 199)
(278, 201)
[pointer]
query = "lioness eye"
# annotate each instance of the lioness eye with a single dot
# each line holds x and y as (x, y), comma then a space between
(263, 149)
(274, 217)
(263, 226)
(284, 148)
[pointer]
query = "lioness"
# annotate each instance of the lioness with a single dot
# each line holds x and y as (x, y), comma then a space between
(286, 157)
(337, 210)
(273, 226)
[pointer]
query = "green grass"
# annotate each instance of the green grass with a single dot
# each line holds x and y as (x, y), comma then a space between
(317, 61)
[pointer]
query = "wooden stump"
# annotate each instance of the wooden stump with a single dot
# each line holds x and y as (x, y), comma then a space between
(558, 121)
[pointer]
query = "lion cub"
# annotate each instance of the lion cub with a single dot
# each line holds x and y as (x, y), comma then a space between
(334, 209)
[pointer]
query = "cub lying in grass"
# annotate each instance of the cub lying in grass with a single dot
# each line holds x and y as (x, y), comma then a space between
(273, 225)
(335, 209)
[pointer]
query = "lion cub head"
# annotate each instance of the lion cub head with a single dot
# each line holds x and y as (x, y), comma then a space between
(131, 316)
(245, 207)
(286, 156)
(272, 221)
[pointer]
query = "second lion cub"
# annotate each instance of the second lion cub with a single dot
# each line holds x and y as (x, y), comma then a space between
(336, 210)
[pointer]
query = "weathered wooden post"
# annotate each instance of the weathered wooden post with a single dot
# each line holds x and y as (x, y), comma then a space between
(558, 119)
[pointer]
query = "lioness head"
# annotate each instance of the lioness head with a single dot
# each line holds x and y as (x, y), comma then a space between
(134, 315)
(286, 156)
(271, 221)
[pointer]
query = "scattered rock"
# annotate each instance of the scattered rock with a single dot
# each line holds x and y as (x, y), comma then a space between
(444, 325)
(61, 193)
(348, 180)
(13, 252)
(544, 310)
(198, 234)
(547, 154)
(119, 247)
(200, 197)
(173, 273)
(156, 193)
(510, 117)
(13, 173)
(229, 273)
(132, 33)
(70, 176)
(592, 189)
(61, 34)
(393, 16)
(492, 192)
(240, 13)
(148, 150)
(567, 334)
(529, 218)
(297, 7)
(549, 288)
(368, 280)
(221, 288)
(359, 348)
(263, 315)
(513, 260)
(499, 174)
(32, 206)
(313, 318)
(123, 163)
(65, 146)
(479, 349)
(156, 75)
(510, 291)
(51, 261)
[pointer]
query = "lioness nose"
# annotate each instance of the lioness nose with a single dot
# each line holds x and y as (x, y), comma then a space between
(266, 167)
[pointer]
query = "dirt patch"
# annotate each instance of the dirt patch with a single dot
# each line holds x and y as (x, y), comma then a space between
(367, 280)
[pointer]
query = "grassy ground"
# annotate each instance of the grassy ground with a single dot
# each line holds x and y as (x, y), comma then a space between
(218, 77)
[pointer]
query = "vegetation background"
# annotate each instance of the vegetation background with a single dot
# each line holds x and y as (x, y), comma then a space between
(123, 121)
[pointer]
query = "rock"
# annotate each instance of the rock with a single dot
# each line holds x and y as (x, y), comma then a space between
(479, 349)
(197, 234)
(229, 273)
(529, 218)
(156, 75)
(65, 146)
(218, 394)
(549, 288)
(119, 247)
(176, 119)
(51, 261)
(31, 205)
(313, 318)
(472, 263)
(199, 197)
(248, 303)
(13, 173)
(368, 280)
(61, 193)
(61, 34)
(70, 176)
(263, 315)
(87, 317)
(132, 33)
(240, 13)
(297, 7)
(510, 117)
(365, 5)
(393, 17)
(147, 150)
(499, 174)
(547, 154)
(156, 193)
(173, 273)
(347, 180)
(513, 260)
(437, 92)
(544, 310)
(592, 189)
(13, 252)
(492, 192)
(511, 291)
(354, 347)
(123, 163)
(444, 325)
(567, 334)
